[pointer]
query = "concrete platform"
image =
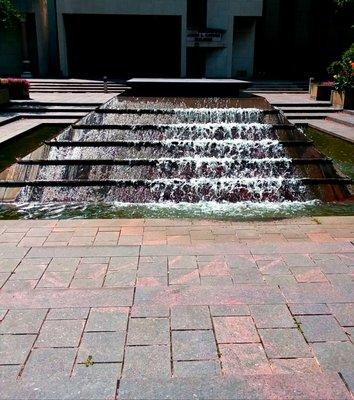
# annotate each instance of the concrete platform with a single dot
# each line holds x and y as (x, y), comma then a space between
(179, 309)
(186, 87)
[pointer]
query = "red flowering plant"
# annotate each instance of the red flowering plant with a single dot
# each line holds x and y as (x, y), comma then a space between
(18, 88)
(343, 71)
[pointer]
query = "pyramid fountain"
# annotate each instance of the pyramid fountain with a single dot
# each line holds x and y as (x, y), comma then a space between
(176, 150)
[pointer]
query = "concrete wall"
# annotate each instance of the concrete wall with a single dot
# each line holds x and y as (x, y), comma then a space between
(131, 7)
(221, 15)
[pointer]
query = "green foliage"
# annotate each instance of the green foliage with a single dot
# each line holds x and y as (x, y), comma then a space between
(342, 3)
(342, 71)
(9, 14)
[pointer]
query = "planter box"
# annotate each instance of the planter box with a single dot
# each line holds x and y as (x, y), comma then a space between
(4, 96)
(343, 99)
(320, 92)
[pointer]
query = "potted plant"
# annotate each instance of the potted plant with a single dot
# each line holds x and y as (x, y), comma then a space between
(18, 88)
(343, 76)
(321, 90)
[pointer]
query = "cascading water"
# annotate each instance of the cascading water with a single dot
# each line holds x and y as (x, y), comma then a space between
(170, 155)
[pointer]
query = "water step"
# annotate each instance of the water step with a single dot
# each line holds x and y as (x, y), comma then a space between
(143, 143)
(147, 183)
(154, 111)
(155, 127)
(132, 162)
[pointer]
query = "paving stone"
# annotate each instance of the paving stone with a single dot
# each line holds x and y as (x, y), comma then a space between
(152, 269)
(152, 281)
(2, 314)
(123, 263)
(284, 386)
(83, 251)
(321, 328)
(314, 293)
(196, 295)
(184, 277)
(66, 333)
(18, 285)
(344, 313)
(23, 321)
(46, 363)
(190, 317)
(334, 356)
(186, 369)
(273, 267)
(298, 260)
(9, 264)
(213, 268)
(333, 267)
(55, 279)
(224, 311)
(153, 311)
(277, 280)
(107, 319)
(309, 309)
(305, 274)
(68, 313)
(295, 365)
(7, 251)
(148, 331)
(59, 298)
(91, 271)
(284, 343)
(184, 262)
(241, 262)
(247, 359)
(272, 316)
(14, 349)
(4, 277)
(107, 347)
(235, 330)
(216, 281)
(147, 361)
(95, 372)
(193, 345)
(247, 277)
(9, 373)
(348, 377)
(87, 283)
(29, 271)
(120, 278)
(63, 264)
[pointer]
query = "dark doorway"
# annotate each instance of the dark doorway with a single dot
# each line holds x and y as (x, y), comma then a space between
(123, 46)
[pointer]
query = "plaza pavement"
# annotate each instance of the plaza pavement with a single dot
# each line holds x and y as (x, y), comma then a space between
(177, 309)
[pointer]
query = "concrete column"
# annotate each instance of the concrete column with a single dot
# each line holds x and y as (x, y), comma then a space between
(184, 46)
(243, 47)
(42, 30)
(219, 60)
(63, 57)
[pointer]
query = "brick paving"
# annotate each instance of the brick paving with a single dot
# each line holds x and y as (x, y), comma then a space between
(186, 309)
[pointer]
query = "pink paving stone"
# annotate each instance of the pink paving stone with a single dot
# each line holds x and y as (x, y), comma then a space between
(305, 274)
(295, 365)
(213, 268)
(184, 277)
(320, 237)
(247, 359)
(151, 281)
(235, 330)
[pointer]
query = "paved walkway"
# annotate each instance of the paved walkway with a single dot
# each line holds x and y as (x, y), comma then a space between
(157, 309)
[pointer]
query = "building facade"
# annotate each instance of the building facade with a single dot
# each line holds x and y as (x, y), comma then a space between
(186, 38)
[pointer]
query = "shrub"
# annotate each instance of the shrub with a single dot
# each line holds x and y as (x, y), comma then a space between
(9, 14)
(18, 88)
(342, 71)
